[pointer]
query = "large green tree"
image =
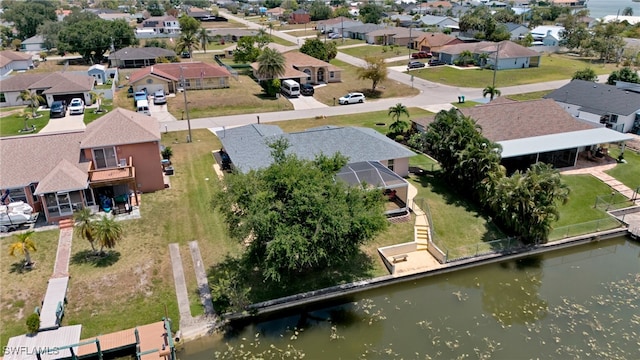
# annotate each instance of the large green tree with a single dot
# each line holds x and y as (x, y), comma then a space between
(122, 35)
(91, 36)
(625, 74)
(296, 218)
(319, 10)
(155, 8)
(187, 42)
(371, 13)
(319, 49)
(26, 16)
(246, 51)
(49, 32)
(188, 24)
(375, 70)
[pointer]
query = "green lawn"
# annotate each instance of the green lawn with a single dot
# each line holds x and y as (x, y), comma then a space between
(554, 67)
(529, 96)
(12, 124)
(346, 42)
(90, 115)
(281, 41)
(629, 173)
(384, 52)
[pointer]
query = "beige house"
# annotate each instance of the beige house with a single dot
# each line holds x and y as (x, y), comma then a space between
(306, 69)
(51, 86)
(167, 77)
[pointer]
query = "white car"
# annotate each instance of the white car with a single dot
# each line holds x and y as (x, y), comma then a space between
(351, 98)
(76, 106)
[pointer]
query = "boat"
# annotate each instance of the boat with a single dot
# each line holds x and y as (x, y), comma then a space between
(16, 214)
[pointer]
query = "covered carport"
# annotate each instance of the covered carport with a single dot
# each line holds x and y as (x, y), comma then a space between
(374, 175)
(560, 150)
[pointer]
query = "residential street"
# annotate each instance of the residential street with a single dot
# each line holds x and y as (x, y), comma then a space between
(433, 96)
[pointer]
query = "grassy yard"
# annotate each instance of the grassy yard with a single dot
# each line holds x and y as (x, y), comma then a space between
(281, 41)
(90, 115)
(553, 67)
(529, 96)
(11, 125)
(629, 173)
(22, 291)
(298, 33)
(384, 52)
(346, 42)
(351, 83)
(244, 96)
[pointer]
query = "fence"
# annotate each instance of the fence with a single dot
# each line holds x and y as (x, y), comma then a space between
(614, 201)
(584, 228)
(234, 72)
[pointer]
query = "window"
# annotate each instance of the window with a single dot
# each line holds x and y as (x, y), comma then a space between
(331, 74)
(17, 194)
(105, 157)
(187, 83)
(32, 187)
(613, 118)
(2, 98)
(390, 164)
(198, 83)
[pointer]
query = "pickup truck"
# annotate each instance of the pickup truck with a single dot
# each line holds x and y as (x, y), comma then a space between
(139, 95)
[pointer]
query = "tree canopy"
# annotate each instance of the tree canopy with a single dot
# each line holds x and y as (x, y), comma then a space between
(319, 10)
(625, 74)
(587, 74)
(374, 70)
(271, 64)
(319, 49)
(295, 217)
(91, 36)
(246, 52)
(371, 13)
(26, 16)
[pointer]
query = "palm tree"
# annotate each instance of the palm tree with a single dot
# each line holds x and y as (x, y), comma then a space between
(270, 64)
(97, 97)
(270, 26)
(204, 38)
(188, 41)
(465, 57)
(107, 232)
(26, 115)
(32, 98)
(86, 226)
(398, 126)
(23, 246)
(492, 91)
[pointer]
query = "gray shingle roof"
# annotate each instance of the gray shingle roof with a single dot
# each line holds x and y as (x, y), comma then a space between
(131, 53)
(247, 145)
(120, 127)
(601, 97)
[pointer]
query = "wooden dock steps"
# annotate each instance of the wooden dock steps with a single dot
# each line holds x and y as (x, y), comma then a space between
(66, 224)
(421, 235)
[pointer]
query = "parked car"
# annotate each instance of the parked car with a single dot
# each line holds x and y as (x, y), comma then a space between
(436, 62)
(185, 55)
(58, 109)
(139, 95)
(415, 65)
(159, 98)
(335, 36)
(307, 90)
(352, 98)
(422, 55)
(76, 106)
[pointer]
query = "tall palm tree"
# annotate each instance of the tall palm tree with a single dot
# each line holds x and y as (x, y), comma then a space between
(97, 97)
(187, 41)
(86, 226)
(396, 111)
(23, 246)
(492, 91)
(107, 232)
(204, 38)
(270, 26)
(270, 64)
(32, 98)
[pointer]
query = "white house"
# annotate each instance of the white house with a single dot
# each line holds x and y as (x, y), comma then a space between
(159, 26)
(547, 35)
(615, 108)
(14, 61)
(34, 43)
(52, 86)
(440, 22)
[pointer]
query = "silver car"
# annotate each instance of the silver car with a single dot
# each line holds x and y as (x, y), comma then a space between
(159, 98)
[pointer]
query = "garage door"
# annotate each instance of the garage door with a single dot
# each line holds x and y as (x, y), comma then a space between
(68, 97)
(151, 88)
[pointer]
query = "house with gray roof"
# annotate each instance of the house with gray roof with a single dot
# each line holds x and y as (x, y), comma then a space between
(52, 86)
(14, 61)
(133, 57)
(618, 109)
(114, 158)
(248, 146)
(34, 43)
(360, 31)
(517, 31)
(440, 22)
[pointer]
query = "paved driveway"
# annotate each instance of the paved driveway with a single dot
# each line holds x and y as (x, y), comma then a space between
(63, 124)
(160, 112)
(306, 102)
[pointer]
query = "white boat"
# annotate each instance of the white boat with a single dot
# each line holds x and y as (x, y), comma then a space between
(16, 214)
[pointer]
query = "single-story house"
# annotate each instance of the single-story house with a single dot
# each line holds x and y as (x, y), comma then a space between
(275, 13)
(615, 108)
(440, 22)
(393, 36)
(300, 16)
(197, 76)
(52, 86)
(306, 69)
(570, 3)
(34, 43)
(14, 61)
(197, 13)
(432, 42)
(535, 131)
(510, 55)
(231, 35)
(360, 31)
(102, 74)
(547, 35)
(517, 31)
(133, 57)
(336, 24)
(115, 157)
(116, 16)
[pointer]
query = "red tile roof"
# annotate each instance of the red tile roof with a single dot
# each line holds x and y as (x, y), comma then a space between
(172, 71)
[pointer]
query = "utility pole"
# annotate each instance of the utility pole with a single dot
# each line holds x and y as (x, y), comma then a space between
(186, 103)
(410, 43)
(495, 66)
(342, 28)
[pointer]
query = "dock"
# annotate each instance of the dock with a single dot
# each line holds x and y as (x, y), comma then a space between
(53, 304)
(151, 341)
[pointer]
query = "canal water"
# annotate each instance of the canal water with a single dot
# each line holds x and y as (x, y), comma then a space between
(582, 302)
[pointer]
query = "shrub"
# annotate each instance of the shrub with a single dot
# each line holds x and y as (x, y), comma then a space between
(33, 323)
(399, 138)
(167, 153)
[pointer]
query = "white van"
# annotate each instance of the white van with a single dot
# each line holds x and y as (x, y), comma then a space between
(290, 88)
(142, 106)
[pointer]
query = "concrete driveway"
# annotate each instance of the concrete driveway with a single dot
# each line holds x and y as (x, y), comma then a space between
(161, 112)
(64, 124)
(306, 102)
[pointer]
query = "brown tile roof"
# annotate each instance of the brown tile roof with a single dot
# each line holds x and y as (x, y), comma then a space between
(191, 70)
(21, 81)
(299, 59)
(459, 48)
(52, 83)
(509, 49)
(502, 121)
(64, 177)
(28, 159)
(120, 127)
(506, 119)
(7, 56)
(436, 39)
